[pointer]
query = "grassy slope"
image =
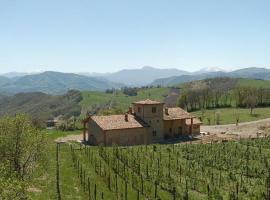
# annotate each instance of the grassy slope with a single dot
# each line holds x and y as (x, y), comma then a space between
(120, 100)
(253, 83)
(44, 184)
(71, 189)
(41, 105)
(45, 180)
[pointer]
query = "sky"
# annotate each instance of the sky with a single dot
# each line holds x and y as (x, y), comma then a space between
(107, 36)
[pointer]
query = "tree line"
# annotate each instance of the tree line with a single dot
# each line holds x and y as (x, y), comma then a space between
(223, 94)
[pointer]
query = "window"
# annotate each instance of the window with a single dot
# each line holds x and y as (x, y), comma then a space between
(139, 109)
(154, 133)
(154, 109)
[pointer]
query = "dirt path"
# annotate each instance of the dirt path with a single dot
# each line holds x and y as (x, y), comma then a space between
(69, 138)
(243, 130)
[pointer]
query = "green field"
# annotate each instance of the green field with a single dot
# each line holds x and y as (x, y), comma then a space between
(242, 82)
(229, 115)
(120, 101)
(232, 170)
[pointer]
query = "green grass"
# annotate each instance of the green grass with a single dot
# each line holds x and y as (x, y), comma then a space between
(206, 171)
(45, 180)
(228, 115)
(120, 101)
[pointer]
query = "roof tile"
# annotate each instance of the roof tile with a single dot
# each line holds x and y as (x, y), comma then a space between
(112, 122)
(148, 102)
(176, 113)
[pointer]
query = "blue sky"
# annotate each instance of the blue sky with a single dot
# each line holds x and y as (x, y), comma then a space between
(104, 36)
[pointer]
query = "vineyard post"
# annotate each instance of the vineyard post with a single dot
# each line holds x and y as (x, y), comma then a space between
(78, 167)
(58, 172)
(109, 181)
(147, 174)
(169, 163)
(237, 189)
(141, 184)
(81, 174)
(100, 167)
(241, 180)
(156, 183)
(174, 193)
(219, 184)
(126, 189)
(268, 185)
(208, 191)
(158, 166)
(95, 192)
(180, 171)
(186, 192)
(116, 184)
(84, 182)
(89, 192)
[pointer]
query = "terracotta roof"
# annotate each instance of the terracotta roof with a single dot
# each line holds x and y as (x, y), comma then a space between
(148, 102)
(112, 122)
(195, 121)
(176, 113)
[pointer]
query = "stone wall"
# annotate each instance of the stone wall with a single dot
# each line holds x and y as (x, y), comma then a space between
(127, 137)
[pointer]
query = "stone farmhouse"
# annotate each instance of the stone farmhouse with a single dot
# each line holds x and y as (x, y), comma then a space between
(146, 122)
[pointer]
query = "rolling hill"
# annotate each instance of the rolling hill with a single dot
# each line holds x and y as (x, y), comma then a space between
(174, 80)
(4, 80)
(56, 83)
(251, 73)
(41, 105)
(14, 74)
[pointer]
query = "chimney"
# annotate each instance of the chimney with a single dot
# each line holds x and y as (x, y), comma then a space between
(126, 117)
(166, 111)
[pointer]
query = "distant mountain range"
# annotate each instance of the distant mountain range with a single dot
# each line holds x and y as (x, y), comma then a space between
(251, 73)
(58, 83)
(139, 77)
(54, 83)
(15, 74)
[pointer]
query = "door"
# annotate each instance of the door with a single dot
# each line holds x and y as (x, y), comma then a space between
(179, 133)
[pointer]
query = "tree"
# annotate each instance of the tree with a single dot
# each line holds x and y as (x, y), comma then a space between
(251, 102)
(21, 150)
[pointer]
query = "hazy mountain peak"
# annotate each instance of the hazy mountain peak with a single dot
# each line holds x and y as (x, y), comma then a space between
(14, 74)
(212, 69)
(142, 76)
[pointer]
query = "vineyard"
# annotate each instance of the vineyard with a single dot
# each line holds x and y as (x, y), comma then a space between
(228, 170)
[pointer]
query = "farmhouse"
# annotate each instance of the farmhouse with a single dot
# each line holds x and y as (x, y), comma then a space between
(146, 122)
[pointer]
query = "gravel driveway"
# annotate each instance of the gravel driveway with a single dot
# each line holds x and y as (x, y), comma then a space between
(244, 130)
